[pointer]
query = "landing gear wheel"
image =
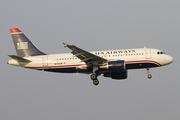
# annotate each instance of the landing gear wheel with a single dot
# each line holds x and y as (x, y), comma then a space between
(93, 77)
(149, 76)
(95, 82)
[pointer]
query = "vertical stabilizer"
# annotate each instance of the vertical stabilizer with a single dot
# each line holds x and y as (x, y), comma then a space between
(24, 47)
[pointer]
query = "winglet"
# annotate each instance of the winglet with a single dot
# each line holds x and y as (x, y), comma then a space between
(65, 45)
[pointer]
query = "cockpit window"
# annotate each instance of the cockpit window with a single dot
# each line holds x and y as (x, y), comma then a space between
(161, 53)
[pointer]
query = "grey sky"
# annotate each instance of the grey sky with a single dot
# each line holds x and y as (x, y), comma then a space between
(92, 25)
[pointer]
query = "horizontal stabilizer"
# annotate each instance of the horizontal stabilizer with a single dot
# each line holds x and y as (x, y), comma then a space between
(19, 59)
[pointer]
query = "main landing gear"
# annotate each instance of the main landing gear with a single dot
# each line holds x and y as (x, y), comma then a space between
(94, 78)
(149, 75)
(94, 75)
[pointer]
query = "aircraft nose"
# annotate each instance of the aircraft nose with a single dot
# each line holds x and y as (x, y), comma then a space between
(170, 59)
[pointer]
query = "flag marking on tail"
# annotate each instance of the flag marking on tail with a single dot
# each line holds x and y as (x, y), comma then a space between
(22, 45)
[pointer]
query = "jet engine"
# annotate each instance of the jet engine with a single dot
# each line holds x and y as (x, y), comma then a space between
(116, 69)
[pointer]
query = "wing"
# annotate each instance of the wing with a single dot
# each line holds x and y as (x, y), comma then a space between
(84, 56)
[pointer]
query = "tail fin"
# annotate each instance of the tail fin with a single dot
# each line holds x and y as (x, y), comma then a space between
(24, 47)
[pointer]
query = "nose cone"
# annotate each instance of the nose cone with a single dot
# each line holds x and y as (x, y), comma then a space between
(170, 59)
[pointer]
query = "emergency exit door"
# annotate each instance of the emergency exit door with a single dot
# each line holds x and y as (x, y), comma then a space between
(45, 60)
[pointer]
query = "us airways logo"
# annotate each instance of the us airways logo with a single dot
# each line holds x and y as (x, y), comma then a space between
(114, 52)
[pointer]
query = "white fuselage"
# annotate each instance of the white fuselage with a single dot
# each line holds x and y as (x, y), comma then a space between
(134, 59)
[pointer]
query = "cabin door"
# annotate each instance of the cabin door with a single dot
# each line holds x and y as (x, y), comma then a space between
(148, 53)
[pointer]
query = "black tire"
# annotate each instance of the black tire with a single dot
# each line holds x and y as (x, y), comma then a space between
(149, 76)
(95, 82)
(93, 77)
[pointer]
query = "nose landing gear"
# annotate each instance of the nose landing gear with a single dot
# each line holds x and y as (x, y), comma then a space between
(149, 75)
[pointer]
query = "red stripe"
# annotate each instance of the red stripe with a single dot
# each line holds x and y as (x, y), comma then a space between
(56, 66)
(64, 66)
(149, 61)
(15, 30)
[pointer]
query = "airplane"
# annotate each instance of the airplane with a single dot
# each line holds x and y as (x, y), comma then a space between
(111, 63)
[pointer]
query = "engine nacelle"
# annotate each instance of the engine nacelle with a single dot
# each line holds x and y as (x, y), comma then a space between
(116, 75)
(115, 66)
